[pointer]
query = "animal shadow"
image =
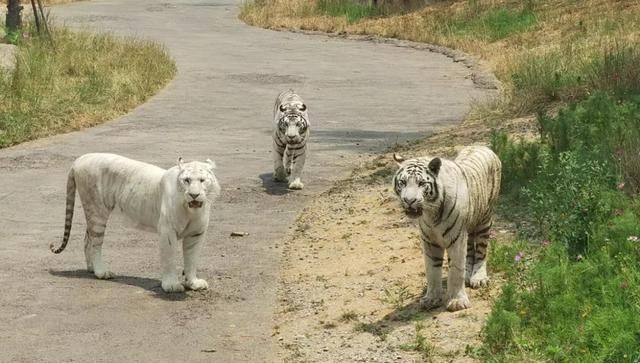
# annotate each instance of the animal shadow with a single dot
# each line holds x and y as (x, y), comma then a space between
(273, 187)
(148, 284)
(401, 316)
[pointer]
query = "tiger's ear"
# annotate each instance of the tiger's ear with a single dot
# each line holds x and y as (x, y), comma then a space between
(303, 107)
(180, 163)
(212, 165)
(398, 159)
(434, 165)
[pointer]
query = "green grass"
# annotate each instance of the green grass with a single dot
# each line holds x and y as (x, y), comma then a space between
(568, 73)
(87, 79)
(492, 24)
(575, 296)
(352, 10)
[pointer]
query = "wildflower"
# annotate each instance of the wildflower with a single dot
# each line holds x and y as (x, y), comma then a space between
(579, 257)
(546, 243)
(519, 256)
(633, 238)
(621, 186)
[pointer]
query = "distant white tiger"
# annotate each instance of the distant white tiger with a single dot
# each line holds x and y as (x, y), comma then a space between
(455, 201)
(175, 203)
(290, 137)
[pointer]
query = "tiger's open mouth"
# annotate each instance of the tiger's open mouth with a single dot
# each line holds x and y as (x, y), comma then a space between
(195, 204)
(413, 212)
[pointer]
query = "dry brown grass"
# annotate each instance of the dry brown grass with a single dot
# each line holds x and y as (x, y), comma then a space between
(45, 2)
(566, 34)
(88, 79)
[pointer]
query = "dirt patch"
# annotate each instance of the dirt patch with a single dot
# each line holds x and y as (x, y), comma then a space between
(353, 273)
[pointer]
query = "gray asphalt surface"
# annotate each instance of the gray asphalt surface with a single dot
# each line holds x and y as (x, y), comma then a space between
(361, 96)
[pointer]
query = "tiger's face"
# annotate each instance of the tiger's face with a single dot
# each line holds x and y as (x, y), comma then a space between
(197, 182)
(293, 122)
(416, 184)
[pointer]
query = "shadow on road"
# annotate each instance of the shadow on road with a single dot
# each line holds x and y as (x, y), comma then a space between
(273, 187)
(401, 316)
(148, 284)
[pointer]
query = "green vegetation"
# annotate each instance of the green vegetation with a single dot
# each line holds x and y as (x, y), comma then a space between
(85, 80)
(352, 10)
(576, 296)
(491, 24)
(566, 74)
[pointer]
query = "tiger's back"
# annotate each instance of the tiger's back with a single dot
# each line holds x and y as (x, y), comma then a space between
(482, 172)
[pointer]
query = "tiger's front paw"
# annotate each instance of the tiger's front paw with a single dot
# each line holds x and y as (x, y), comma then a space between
(458, 303)
(296, 184)
(431, 300)
(279, 174)
(103, 275)
(172, 286)
(196, 284)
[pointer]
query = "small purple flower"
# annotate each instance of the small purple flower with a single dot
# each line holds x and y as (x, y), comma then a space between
(546, 243)
(519, 256)
(621, 186)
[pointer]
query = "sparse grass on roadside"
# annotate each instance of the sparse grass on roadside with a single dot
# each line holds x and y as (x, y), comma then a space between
(352, 11)
(420, 344)
(397, 295)
(348, 316)
(86, 80)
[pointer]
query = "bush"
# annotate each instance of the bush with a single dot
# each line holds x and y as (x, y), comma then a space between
(520, 160)
(566, 199)
(577, 298)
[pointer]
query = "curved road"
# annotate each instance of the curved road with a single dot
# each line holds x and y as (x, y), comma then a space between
(361, 96)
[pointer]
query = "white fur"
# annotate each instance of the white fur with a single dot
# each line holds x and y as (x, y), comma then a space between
(455, 201)
(154, 199)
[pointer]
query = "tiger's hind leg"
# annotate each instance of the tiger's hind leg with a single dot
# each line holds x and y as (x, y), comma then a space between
(478, 277)
(94, 237)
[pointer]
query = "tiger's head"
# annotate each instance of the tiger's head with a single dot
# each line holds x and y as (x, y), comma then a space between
(197, 182)
(293, 121)
(416, 183)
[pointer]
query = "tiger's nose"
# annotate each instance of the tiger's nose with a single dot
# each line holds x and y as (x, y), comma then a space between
(409, 200)
(194, 195)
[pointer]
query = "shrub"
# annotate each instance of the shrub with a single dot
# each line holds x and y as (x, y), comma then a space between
(566, 199)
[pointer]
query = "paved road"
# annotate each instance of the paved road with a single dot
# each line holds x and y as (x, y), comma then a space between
(361, 97)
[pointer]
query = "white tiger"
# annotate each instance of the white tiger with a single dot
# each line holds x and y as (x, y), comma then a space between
(290, 136)
(455, 201)
(174, 202)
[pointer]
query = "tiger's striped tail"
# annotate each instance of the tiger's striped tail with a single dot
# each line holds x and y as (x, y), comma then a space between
(71, 200)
